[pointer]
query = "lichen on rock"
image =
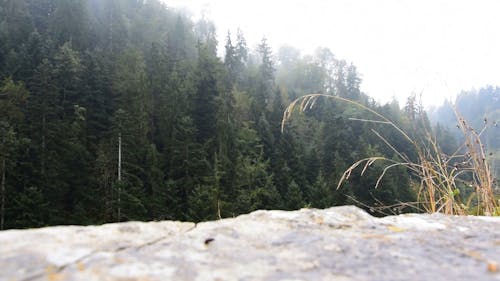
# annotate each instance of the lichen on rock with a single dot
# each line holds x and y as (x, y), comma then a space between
(340, 243)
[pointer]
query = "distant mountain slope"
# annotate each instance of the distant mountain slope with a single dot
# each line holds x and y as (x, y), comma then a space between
(481, 109)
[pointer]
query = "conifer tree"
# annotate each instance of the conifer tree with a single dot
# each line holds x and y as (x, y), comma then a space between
(12, 97)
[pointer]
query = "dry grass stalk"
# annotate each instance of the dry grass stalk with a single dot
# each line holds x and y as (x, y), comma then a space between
(440, 175)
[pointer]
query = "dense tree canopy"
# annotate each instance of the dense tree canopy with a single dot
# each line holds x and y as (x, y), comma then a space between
(92, 87)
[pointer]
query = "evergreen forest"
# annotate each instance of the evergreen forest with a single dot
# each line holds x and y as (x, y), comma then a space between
(482, 110)
(116, 110)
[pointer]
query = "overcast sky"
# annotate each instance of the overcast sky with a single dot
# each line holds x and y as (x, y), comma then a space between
(437, 47)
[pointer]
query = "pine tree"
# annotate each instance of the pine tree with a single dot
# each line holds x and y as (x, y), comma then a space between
(294, 197)
(158, 70)
(266, 197)
(230, 62)
(353, 82)
(207, 91)
(67, 77)
(12, 97)
(252, 176)
(320, 194)
(69, 23)
(266, 74)
(241, 57)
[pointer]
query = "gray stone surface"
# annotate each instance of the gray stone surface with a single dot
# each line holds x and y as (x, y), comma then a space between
(341, 243)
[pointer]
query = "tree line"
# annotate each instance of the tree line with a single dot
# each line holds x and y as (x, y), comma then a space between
(114, 110)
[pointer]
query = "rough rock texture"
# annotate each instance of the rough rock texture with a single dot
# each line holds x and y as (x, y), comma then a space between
(341, 243)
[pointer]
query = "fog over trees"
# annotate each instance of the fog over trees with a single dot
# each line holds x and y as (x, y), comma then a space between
(481, 109)
(114, 110)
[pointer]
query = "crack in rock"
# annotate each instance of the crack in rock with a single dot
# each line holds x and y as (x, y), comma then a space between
(340, 243)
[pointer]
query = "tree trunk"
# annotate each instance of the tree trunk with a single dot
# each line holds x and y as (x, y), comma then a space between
(44, 145)
(119, 174)
(2, 207)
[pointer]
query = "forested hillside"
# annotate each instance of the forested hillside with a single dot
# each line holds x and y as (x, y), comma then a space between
(114, 110)
(482, 110)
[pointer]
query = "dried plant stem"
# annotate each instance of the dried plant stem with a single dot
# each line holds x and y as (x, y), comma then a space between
(440, 175)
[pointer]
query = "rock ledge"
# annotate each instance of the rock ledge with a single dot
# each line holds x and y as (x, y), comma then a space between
(340, 243)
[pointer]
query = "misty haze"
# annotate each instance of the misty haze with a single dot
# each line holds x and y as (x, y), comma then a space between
(120, 110)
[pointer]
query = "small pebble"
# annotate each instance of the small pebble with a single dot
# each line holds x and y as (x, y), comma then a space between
(492, 266)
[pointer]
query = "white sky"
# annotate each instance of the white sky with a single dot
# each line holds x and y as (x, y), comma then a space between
(437, 47)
